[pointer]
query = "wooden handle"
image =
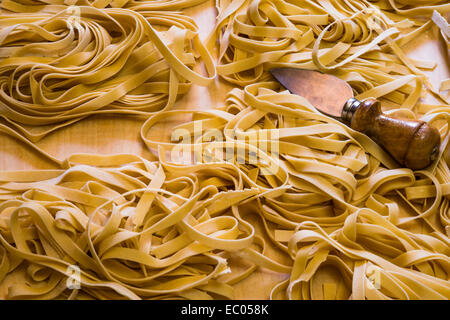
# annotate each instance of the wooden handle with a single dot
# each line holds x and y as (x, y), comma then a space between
(413, 143)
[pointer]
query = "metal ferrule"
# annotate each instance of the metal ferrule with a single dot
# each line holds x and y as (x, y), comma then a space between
(349, 109)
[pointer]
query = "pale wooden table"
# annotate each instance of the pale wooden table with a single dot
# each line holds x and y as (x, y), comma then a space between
(113, 134)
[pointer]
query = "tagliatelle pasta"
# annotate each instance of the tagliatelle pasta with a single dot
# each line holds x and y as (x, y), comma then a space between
(153, 229)
(411, 7)
(144, 5)
(59, 67)
(67, 218)
(328, 197)
(354, 40)
(445, 32)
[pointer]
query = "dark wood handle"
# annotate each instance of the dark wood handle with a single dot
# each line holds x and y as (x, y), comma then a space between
(413, 143)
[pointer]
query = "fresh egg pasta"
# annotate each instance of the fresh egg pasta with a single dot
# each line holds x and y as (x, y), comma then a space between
(327, 197)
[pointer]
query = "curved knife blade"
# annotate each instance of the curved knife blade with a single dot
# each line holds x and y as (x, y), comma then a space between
(325, 92)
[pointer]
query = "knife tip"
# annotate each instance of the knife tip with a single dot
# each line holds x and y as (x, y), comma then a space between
(276, 73)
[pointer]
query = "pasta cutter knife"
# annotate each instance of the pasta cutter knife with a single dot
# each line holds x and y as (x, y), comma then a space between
(412, 143)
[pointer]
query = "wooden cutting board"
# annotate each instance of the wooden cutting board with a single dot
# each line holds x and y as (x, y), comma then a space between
(118, 134)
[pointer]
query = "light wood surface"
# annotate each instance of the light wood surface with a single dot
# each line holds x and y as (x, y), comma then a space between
(118, 134)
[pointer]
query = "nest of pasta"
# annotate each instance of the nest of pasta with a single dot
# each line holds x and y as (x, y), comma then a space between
(62, 65)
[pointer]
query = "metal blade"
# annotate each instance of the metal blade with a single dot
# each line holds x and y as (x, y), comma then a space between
(325, 92)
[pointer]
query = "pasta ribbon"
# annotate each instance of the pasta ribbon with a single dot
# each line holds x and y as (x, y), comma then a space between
(357, 41)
